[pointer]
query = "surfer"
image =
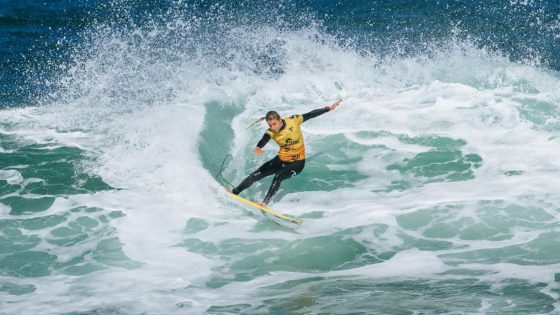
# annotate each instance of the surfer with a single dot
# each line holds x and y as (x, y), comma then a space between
(291, 157)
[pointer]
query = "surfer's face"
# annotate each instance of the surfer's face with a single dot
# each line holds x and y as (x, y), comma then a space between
(275, 124)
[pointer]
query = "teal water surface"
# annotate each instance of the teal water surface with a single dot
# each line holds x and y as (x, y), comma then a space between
(432, 189)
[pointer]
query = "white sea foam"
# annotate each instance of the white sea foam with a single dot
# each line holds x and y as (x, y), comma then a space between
(150, 152)
(12, 177)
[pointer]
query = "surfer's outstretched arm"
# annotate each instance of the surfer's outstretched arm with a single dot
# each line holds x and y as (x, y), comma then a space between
(264, 140)
(320, 111)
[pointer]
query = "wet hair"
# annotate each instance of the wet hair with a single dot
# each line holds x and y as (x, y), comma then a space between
(271, 115)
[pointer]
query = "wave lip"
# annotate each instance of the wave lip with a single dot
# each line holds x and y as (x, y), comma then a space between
(425, 184)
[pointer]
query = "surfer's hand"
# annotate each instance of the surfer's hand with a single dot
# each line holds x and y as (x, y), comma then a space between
(334, 105)
(258, 151)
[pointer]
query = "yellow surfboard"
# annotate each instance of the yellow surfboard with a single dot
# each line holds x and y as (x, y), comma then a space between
(276, 216)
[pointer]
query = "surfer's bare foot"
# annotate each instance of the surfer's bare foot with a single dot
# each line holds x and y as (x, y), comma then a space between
(262, 204)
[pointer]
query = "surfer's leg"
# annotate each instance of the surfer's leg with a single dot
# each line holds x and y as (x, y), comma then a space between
(288, 171)
(265, 170)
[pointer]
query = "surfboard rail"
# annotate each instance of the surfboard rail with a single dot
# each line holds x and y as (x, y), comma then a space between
(266, 210)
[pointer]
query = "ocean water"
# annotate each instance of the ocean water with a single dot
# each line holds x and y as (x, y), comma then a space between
(432, 189)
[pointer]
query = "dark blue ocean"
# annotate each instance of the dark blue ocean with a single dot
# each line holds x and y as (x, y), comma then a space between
(432, 189)
(37, 37)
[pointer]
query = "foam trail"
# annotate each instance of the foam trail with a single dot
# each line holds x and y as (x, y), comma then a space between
(432, 166)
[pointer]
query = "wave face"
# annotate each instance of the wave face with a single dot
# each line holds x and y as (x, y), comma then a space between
(432, 188)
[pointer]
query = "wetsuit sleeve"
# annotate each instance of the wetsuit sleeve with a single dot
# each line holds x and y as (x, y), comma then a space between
(264, 140)
(315, 113)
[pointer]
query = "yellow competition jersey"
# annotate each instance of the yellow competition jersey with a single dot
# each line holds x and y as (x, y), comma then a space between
(290, 139)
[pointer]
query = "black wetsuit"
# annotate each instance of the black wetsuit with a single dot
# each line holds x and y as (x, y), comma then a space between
(281, 169)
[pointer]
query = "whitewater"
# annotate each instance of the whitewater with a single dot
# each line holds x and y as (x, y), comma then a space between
(432, 188)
